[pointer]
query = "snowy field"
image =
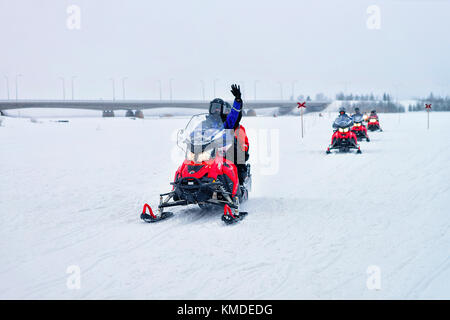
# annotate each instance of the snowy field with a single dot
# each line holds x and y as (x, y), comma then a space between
(71, 195)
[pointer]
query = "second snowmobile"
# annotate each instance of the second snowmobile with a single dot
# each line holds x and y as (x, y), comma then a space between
(359, 129)
(206, 177)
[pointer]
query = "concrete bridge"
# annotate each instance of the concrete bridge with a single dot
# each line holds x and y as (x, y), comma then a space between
(109, 106)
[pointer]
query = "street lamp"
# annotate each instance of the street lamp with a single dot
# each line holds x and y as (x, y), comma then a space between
(123, 87)
(170, 87)
(254, 87)
(63, 87)
(281, 89)
(203, 89)
(243, 88)
(214, 85)
(73, 77)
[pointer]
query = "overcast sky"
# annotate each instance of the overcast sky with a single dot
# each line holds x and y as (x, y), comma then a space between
(324, 45)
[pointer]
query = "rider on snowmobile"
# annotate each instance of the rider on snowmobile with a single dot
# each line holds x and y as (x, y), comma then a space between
(373, 114)
(342, 116)
(231, 116)
(357, 113)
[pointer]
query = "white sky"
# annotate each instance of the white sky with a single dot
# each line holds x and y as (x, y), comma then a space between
(324, 45)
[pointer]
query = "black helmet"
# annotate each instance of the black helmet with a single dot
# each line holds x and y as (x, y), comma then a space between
(220, 108)
(357, 110)
(216, 106)
(341, 109)
(373, 111)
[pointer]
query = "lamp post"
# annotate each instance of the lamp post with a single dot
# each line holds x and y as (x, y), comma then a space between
(254, 87)
(123, 87)
(170, 87)
(203, 89)
(72, 78)
(214, 85)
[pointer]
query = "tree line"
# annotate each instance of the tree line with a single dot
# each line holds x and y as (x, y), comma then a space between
(438, 103)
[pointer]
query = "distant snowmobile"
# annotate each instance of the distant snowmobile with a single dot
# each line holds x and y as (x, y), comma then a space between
(359, 129)
(343, 138)
(373, 123)
(206, 177)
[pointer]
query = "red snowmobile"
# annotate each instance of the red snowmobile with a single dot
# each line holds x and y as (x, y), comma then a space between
(343, 138)
(359, 129)
(373, 123)
(206, 177)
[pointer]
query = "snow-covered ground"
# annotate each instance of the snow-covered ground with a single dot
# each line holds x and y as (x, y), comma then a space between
(71, 194)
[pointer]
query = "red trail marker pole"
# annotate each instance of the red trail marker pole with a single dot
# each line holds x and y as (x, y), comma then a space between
(301, 106)
(428, 108)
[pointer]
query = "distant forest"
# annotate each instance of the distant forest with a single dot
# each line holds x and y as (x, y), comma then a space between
(437, 103)
(368, 102)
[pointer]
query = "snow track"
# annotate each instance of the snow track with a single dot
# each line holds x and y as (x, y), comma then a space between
(71, 194)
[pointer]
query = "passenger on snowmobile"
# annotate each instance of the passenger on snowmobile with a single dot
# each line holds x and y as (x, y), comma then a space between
(231, 117)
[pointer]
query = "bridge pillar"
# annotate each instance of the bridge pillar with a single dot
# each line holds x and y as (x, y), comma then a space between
(139, 114)
(129, 113)
(251, 113)
(108, 113)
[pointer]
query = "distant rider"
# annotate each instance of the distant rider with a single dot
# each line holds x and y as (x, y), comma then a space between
(357, 113)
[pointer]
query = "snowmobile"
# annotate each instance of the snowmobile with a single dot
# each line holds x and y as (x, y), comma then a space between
(206, 177)
(343, 138)
(373, 124)
(359, 129)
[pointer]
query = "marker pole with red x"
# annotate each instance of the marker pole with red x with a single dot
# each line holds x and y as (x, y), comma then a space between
(301, 106)
(428, 108)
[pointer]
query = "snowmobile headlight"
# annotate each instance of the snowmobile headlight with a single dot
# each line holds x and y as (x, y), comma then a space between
(357, 124)
(345, 130)
(372, 120)
(190, 156)
(341, 130)
(205, 156)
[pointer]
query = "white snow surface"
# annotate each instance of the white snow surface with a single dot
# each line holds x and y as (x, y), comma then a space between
(71, 195)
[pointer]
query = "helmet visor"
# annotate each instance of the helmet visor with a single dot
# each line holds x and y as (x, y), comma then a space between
(215, 107)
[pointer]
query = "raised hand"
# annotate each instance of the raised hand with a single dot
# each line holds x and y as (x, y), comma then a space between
(236, 91)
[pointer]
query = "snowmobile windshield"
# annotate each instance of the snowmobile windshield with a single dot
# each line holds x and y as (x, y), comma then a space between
(205, 132)
(358, 118)
(343, 122)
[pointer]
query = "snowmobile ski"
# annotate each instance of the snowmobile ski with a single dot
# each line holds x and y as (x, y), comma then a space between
(230, 218)
(150, 217)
